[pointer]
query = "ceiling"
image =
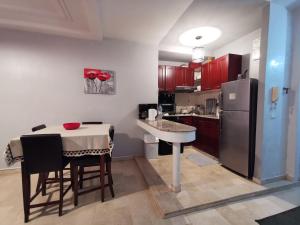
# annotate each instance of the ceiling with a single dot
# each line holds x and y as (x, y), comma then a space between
(133, 20)
(235, 18)
(74, 18)
(146, 21)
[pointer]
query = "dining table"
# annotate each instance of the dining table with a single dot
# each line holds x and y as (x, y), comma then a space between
(86, 140)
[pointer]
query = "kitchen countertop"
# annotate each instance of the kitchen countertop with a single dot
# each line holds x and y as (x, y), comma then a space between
(169, 126)
(196, 115)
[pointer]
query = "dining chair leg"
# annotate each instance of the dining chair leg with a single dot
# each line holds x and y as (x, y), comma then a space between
(72, 177)
(108, 168)
(61, 191)
(110, 180)
(26, 194)
(39, 183)
(102, 176)
(45, 176)
(75, 183)
(81, 172)
(55, 174)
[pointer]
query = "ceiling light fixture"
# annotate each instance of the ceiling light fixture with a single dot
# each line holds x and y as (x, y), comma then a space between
(200, 36)
(198, 54)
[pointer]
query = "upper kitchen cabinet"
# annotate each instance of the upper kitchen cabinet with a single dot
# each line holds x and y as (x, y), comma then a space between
(179, 76)
(229, 66)
(206, 77)
(189, 76)
(161, 78)
(170, 78)
(184, 76)
(166, 78)
(221, 70)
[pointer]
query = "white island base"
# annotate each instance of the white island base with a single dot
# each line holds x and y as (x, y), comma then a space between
(171, 132)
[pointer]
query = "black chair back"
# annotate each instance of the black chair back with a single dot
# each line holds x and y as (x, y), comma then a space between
(42, 153)
(95, 122)
(111, 132)
(39, 127)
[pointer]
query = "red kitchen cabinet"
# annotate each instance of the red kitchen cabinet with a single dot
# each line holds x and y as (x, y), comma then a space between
(221, 70)
(166, 78)
(161, 77)
(214, 75)
(179, 76)
(184, 76)
(188, 120)
(206, 77)
(189, 76)
(207, 135)
(230, 66)
(170, 78)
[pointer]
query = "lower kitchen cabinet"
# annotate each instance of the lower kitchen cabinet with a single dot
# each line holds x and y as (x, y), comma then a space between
(207, 134)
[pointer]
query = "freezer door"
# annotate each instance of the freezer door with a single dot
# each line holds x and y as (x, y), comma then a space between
(236, 95)
(234, 141)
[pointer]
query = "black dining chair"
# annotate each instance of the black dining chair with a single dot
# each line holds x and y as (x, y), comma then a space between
(81, 168)
(103, 161)
(43, 179)
(43, 153)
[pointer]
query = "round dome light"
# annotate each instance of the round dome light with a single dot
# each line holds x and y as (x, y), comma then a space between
(200, 36)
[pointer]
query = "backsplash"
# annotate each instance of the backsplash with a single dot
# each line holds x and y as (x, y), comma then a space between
(187, 101)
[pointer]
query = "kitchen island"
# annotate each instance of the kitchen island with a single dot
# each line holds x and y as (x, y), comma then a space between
(175, 133)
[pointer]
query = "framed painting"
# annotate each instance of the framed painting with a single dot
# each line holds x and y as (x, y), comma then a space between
(97, 81)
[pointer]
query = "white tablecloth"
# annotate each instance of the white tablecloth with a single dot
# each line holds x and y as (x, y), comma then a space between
(87, 140)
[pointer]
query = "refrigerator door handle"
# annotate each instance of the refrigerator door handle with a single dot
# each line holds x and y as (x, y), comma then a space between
(221, 102)
(221, 118)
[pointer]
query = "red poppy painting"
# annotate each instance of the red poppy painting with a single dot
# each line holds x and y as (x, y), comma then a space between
(97, 81)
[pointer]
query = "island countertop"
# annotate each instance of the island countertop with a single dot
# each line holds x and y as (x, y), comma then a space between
(169, 126)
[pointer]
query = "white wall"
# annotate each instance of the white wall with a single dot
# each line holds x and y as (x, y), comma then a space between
(242, 46)
(42, 82)
(293, 140)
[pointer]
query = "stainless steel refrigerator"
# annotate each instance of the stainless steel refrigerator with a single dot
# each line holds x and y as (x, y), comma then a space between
(238, 125)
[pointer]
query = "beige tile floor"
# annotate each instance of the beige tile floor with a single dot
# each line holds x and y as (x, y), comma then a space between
(201, 187)
(133, 206)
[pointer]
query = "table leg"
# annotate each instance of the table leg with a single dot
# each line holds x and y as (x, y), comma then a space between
(176, 187)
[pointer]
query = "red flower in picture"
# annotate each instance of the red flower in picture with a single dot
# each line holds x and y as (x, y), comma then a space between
(91, 74)
(104, 76)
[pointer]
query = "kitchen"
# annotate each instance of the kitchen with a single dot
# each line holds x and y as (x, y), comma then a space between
(214, 89)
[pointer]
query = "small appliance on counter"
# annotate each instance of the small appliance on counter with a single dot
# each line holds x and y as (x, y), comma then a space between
(152, 113)
(144, 108)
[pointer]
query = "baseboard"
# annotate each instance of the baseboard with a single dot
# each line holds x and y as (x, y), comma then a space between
(10, 170)
(289, 178)
(122, 158)
(270, 180)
